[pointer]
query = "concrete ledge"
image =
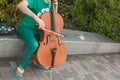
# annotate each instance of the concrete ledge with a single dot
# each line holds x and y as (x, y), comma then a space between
(91, 47)
(11, 46)
(76, 42)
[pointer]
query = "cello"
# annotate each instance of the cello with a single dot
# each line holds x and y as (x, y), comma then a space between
(51, 52)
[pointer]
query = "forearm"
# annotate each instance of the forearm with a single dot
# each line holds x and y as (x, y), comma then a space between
(23, 8)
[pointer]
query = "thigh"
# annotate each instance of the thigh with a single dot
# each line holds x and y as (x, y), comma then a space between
(27, 35)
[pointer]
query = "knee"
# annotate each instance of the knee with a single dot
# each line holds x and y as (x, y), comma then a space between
(34, 46)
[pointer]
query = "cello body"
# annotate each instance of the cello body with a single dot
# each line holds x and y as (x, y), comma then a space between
(51, 52)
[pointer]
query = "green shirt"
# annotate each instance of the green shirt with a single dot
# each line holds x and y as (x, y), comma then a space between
(37, 7)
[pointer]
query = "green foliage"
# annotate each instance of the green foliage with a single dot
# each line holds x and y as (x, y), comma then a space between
(9, 12)
(102, 16)
(65, 9)
(67, 2)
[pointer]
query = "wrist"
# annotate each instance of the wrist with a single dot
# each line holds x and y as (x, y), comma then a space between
(55, 1)
(35, 18)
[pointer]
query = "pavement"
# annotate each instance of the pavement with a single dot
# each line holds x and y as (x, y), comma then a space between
(76, 67)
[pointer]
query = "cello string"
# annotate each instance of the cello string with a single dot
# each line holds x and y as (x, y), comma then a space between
(53, 12)
(52, 4)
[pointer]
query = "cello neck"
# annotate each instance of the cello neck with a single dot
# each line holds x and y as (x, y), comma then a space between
(53, 16)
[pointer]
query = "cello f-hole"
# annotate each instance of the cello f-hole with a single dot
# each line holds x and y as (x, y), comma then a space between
(45, 43)
(59, 41)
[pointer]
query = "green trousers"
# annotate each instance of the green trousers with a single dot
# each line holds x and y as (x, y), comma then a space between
(31, 38)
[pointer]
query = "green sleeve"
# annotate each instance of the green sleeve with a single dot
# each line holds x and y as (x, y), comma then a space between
(30, 3)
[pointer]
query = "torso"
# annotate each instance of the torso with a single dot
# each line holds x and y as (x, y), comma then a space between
(38, 7)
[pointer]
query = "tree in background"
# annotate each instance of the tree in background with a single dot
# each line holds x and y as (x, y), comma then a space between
(102, 16)
(65, 9)
(9, 12)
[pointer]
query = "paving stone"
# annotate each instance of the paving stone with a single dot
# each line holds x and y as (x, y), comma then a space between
(77, 67)
(89, 77)
(98, 75)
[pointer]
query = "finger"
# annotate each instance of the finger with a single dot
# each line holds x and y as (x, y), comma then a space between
(41, 27)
